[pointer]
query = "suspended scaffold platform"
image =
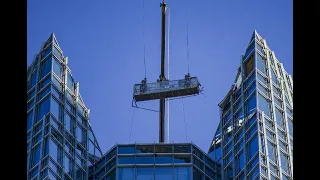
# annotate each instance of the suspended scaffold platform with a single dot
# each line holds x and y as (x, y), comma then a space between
(166, 89)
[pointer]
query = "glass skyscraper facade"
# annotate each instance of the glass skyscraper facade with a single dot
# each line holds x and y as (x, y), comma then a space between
(254, 139)
(179, 161)
(60, 141)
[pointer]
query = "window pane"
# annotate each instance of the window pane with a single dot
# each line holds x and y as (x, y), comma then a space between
(250, 89)
(272, 151)
(57, 67)
(290, 125)
(249, 50)
(44, 108)
(53, 150)
(144, 173)
(46, 66)
(29, 120)
(126, 160)
(251, 104)
(35, 155)
(264, 105)
(126, 173)
(55, 108)
(249, 65)
(163, 173)
(144, 160)
(126, 150)
(261, 63)
(79, 133)
(253, 147)
(197, 174)
(240, 162)
(274, 77)
(279, 118)
(33, 80)
(263, 89)
(182, 173)
(70, 82)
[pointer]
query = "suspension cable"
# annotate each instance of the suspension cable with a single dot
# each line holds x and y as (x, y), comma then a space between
(187, 34)
(131, 124)
(184, 118)
(144, 42)
(168, 49)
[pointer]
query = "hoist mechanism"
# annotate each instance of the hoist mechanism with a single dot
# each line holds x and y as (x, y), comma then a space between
(163, 88)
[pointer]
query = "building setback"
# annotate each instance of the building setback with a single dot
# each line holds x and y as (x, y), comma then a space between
(254, 138)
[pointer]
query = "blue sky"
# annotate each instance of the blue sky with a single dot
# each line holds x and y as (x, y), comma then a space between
(104, 42)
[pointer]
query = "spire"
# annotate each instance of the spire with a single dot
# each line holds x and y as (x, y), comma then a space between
(51, 39)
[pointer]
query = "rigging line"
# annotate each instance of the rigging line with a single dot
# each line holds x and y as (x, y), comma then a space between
(184, 118)
(131, 125)
(168, 49)
(144, 43)
(187, 35)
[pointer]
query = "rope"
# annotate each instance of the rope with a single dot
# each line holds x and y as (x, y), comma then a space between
(184, 118)
(144, 43)
(187, 34)
(131, 125)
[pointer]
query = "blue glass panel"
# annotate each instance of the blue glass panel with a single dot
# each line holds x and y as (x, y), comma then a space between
(274, 169)
(46, 66)
(164, 149)
(57, 67)
(45, 81)
(30, 104)
(197, 174)
(250, 80)
(67, 165)
(289, 112)
(55, 108)
(290, 126)
(276, 91)
(37, 138)
(274, 77)
(70, 82)
(182, 148)
(31, 94)
(249, 50)
(278, 101)
(279, 118)
(251, 121)
(260, 49)
(270, 135)
(53, 150)
(44, 92)
(264, 105)
(163, 173)
(57, 53)
(163, 159)
(252, 130)
(283, 146)
(262, 79)
(56, 93)
(261, 64)
(254, 173)
(240, 162)
(48, 51)
(69, 123)
(144, 173)
(218, 154)
(34, 172)
(227, 118)
(44, 108)
(29, 120)
(237, 105)
(272, 151)
(209, 172)
(282, 134)
(253, 147)
(35, 155)
(125, 173)
(144, 160)
(79, 134)
(253, 163)
(182, 173)
(263, 89)
(33, 80)
(126, 160)
(56, 83)
(251, 104)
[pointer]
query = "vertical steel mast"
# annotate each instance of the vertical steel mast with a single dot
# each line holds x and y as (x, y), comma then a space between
(162, 77)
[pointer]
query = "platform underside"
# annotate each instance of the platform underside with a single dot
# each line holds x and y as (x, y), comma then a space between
(167, 94)
(166, 89)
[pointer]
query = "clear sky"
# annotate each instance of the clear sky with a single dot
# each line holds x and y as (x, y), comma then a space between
(104, 42)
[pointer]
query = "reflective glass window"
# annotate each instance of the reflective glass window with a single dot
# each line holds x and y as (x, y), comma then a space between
(249, 65)
(126, 160)
(163, 173)
(263, 89)
(44, 107)
(29, 120)
(126, 150)
(70, 82)
(182, 173)
(33, 80)
(279, 118)
(252, 147)
(276, 91)
(274, 77)
(46, 66)
(126, 173)
(57, 67)
(164, 149)
(260, 49)
(261, 63)
(250, 90)
(163, 159)
(264, 105)
(44, 82)
(251, 104)
(144, 160)
(197, 174)
(143, 173)
(272, 151)
(35, 155)
(55, 108)
(249, 50)
(144, 149)
(262, 79)
(290, 126)
(182, 148)
(30, 104)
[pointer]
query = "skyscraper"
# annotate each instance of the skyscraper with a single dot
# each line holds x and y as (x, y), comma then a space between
(60, 140)
(254, 138)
